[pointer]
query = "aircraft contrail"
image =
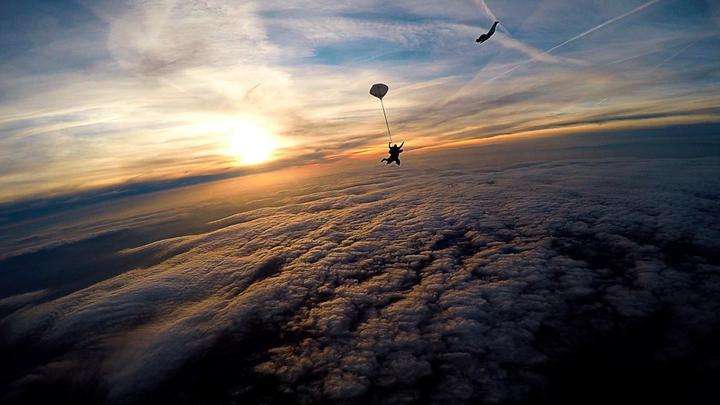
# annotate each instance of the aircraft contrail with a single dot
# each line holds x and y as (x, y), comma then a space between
(668, 59)
(664, 61)
(636, 56)
(606, 23)
(486, 9)
(482, 4)
(581, 35)
(656, 67)
(676, 54)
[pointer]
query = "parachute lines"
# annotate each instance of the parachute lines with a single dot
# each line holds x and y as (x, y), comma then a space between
(386, 121)
(379, 90)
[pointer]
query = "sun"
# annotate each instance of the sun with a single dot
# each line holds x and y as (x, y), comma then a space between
(251, 143)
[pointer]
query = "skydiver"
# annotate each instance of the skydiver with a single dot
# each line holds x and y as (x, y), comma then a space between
(484, 37)
(394, 152)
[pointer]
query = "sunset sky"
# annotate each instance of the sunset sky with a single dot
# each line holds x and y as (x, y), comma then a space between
(193, 206)
(99, 93)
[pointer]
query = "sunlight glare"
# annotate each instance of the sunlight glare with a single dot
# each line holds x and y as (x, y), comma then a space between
(250, 143)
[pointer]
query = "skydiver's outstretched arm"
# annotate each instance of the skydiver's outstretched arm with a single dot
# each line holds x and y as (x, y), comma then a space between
(403, 143)
(388, 144)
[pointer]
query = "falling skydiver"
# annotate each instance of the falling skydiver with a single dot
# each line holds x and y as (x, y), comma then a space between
(484, 37)
(394, 152)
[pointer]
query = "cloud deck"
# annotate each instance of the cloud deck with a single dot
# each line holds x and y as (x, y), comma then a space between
(450, 285)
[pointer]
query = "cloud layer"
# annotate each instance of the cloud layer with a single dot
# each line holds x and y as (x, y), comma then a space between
(446, 284)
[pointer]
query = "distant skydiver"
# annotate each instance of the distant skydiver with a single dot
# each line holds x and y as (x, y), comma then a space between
(394, 152)
(484, 37)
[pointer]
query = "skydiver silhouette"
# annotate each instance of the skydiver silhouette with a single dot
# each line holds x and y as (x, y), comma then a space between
(484, 37)
(394, 152)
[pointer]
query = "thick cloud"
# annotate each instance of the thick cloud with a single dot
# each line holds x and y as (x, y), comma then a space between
(447, 284)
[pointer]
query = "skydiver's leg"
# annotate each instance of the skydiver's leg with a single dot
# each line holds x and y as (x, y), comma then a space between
(383, 160)
(397, 161)
(492, 29)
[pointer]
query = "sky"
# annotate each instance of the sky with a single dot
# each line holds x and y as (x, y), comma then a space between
(96, 94)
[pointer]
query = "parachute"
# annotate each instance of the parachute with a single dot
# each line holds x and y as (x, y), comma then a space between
(379, 90)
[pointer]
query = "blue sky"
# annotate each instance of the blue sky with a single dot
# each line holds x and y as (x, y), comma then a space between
(95, 94)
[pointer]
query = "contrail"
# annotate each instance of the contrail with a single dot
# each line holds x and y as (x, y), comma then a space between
(675, 55)
(664, 61)
(486, 9)
(482, 4)
(581, 35)
(636, 56)
(606, 23)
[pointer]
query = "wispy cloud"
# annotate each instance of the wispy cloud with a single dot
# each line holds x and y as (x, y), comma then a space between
(541, 56)
(484, 7)
(152, 89)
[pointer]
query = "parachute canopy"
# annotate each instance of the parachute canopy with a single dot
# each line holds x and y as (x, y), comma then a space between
(379, 90)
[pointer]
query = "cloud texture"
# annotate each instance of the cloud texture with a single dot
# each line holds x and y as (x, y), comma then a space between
(446, 284)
